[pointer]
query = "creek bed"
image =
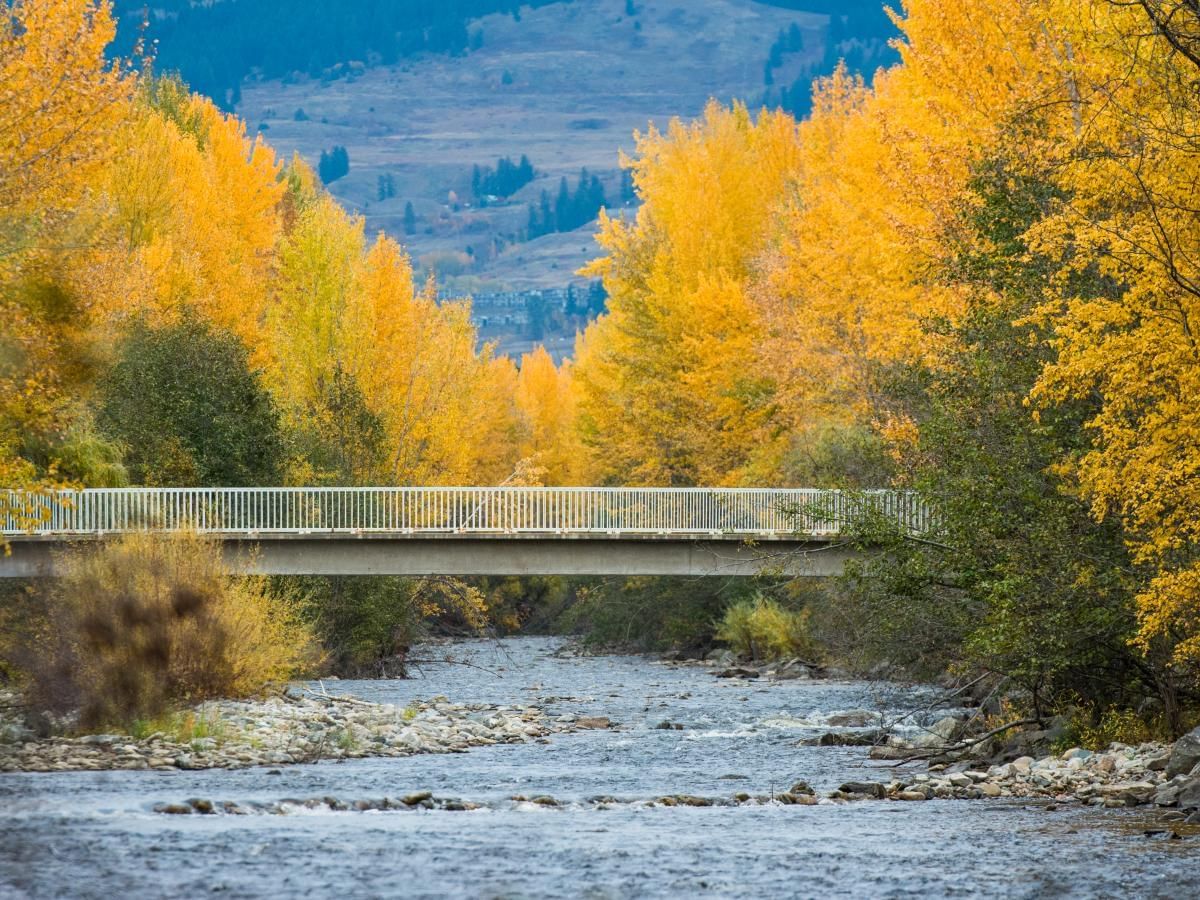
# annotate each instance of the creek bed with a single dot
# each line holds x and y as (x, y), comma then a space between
(95, 834)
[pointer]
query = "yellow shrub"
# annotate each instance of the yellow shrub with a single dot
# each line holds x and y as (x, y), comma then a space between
(141, 624)
(762, 629)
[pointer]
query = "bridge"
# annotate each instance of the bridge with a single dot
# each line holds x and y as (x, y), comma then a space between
(468, 530)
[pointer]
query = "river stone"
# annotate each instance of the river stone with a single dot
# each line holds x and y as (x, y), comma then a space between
(594, 722)
(855, 718)
(866, 788)
(911, 795)
(414, 799)
(1188, 796)
(1185, 755)
(173, 809)
(989, 790)
(1021, 765)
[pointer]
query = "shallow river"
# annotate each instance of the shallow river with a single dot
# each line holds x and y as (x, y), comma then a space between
(94, 834)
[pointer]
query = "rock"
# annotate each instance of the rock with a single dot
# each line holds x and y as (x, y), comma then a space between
(102, 739)
(865, 788)
(415, 798)
(855, 718)
(911, 795)
(1157, 763)
(1077, 753)
(1021, 765)
(1185, 755)
(885, 752)
(201, 806)
(844, 739)
(1107, 764)
(960, 779)
(669, 726)
(988, 789)
(593, 722)
(801, 787)
(173, 809)
(544, 800)
(1188, 796)
(738, 672)
(943, 731)
(1129, 794)
(792, 799)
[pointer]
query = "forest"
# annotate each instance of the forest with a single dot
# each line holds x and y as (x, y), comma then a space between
(215, 46)
(973, 277)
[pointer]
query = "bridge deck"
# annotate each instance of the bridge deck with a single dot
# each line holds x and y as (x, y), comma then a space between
(467, 530)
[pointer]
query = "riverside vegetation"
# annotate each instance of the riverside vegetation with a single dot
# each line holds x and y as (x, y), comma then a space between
(974, 278)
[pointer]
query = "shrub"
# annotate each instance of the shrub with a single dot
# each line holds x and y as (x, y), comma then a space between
(369, 623)
(143, 624)
(762, 629)
(651, 613)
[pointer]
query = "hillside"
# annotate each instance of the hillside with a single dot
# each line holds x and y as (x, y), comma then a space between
(563, 83)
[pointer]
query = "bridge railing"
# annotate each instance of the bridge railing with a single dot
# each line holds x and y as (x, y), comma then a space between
(451, 510)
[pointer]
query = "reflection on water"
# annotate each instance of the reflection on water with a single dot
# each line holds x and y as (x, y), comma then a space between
(94, 834)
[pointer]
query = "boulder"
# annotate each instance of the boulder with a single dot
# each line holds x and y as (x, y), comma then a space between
(864, 788)
(738, 672)
(845, 739)
(1188, 796)
(1185, 755)
(854, 718)
(593, 722)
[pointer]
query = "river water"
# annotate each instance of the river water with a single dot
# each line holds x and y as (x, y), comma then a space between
(95, 834)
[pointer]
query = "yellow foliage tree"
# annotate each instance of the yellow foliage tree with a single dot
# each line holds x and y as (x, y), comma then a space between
(356, 347)
(60, 98)
(670, 388)
(545, 399)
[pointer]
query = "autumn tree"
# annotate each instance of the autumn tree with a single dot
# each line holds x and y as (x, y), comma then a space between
(545, 400)
(670, 386)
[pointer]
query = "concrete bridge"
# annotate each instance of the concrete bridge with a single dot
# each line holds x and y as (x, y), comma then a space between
(468, 530)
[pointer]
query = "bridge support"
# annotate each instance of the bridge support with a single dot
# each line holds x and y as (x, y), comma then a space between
(612, 555)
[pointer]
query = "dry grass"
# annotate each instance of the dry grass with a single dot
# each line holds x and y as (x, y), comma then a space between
(144, 624)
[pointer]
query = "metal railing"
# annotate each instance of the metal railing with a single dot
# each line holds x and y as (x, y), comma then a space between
(460, 510)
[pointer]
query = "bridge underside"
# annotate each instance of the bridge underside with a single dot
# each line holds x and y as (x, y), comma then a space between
(613, 555)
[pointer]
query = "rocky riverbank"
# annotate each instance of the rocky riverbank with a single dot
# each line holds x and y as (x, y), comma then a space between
(291, 728)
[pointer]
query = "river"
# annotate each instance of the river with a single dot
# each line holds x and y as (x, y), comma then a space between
(93, 834)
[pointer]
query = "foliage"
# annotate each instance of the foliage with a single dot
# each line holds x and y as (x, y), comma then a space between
(368, 624)
(505, 180)
(762, 629)
(570, 209)
(186, 406)
(334, 164)
(142, 624)
(653, 613)
(670, 392)
(215, 46)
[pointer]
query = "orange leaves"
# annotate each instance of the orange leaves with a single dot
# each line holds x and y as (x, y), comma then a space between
(60, 98)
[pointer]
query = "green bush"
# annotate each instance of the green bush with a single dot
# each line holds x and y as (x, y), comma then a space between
(763, 630)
